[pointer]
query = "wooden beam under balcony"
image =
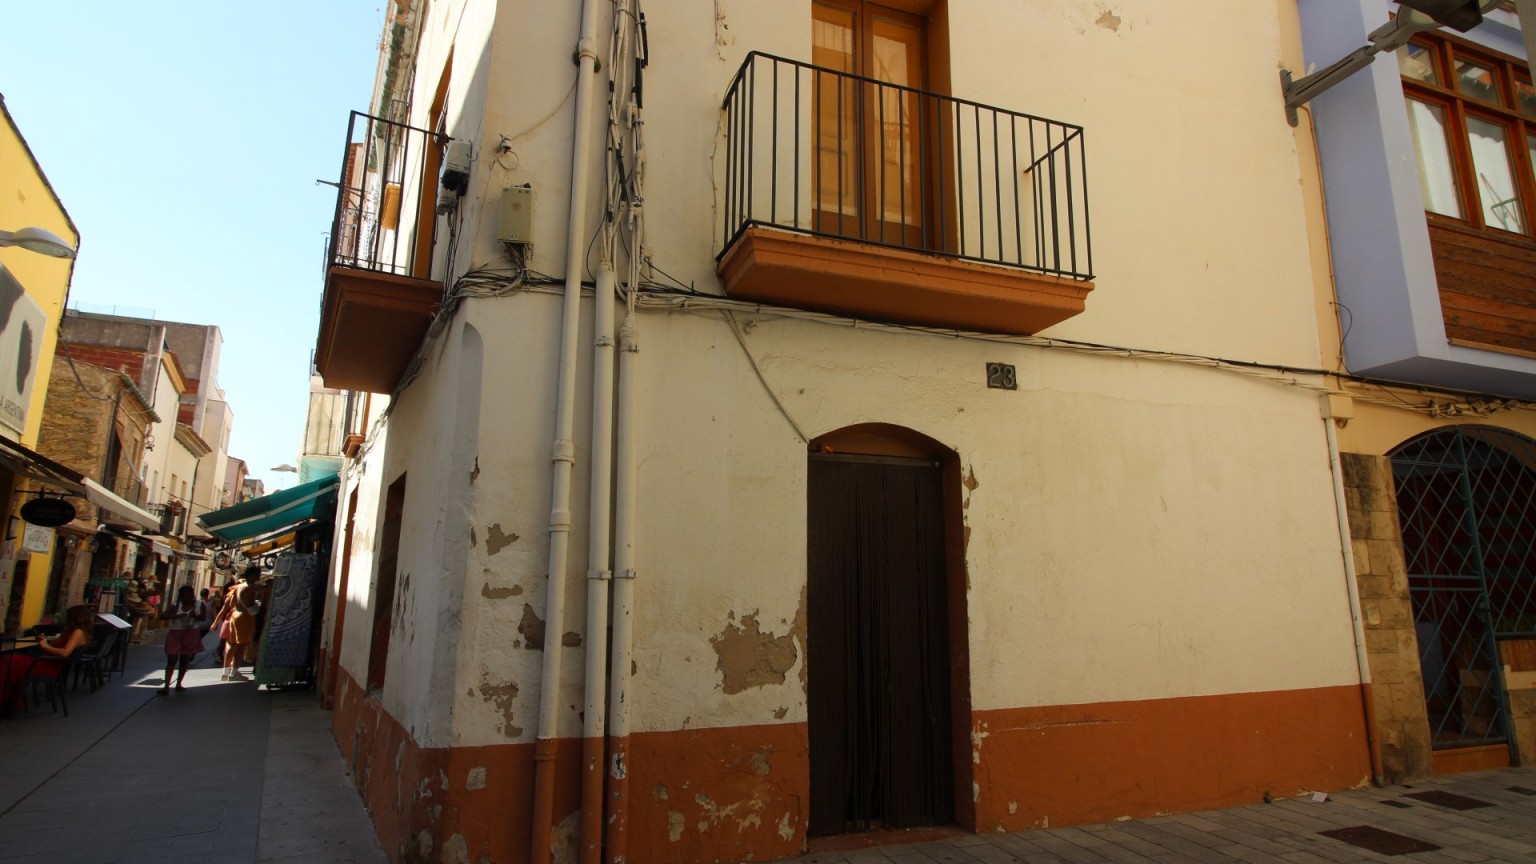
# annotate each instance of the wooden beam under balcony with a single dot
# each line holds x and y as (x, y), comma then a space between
(880, 283)
(371, 325)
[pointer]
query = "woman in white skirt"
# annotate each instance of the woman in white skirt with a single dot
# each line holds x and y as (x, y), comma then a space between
(183, 642)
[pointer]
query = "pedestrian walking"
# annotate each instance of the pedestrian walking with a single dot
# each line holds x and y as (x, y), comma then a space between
(240, 607)
(205, 614)
(182, 643)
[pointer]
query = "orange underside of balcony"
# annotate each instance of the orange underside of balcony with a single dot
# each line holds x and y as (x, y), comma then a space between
(370, 327)
(879, 283)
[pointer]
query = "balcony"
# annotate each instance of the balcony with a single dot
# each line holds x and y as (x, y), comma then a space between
(849, 195)
(379, 292)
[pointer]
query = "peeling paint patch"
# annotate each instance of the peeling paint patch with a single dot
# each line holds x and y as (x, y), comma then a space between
(490, 593)
(747, 657)
(787, 827)
(495, 540)
(475, 474)
(502, 696)
(472, 541)
(674, 826)
(979, 736)
(714, 814)
(1109, 21)
(780, 712)
(563, 843)
(757, 763)
(424, 844)
(970, 482)
(532, 628)
(475, 780)
(660, 793)
(456, 850)
(1013, 807)
(570, 639)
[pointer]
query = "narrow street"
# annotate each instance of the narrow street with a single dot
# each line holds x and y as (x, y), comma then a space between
(224, 772)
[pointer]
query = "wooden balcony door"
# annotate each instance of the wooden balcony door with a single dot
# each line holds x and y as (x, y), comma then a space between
(871, 156)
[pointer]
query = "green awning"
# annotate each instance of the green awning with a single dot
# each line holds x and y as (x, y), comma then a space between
(272, 513)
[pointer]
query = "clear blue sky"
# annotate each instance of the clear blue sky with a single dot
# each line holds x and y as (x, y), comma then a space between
(184, 139)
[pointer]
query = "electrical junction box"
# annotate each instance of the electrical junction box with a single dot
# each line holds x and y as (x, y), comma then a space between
(515, 224)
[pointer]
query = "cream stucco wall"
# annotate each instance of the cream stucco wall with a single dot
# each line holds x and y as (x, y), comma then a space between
(1138, 529)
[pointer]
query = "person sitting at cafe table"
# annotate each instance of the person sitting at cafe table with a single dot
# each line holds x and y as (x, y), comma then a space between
(48, 657)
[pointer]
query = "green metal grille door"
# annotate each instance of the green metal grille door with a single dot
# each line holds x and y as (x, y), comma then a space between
(1466, 503)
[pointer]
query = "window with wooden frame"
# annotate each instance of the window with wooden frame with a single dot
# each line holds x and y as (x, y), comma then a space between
(1472, 115)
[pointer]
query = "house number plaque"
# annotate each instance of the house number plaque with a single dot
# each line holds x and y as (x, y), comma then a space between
(1000, 376)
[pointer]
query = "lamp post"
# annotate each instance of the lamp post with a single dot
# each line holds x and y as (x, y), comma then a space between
(39, 240)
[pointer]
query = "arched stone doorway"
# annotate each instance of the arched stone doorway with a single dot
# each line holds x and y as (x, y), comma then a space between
(887, 671)
(1466, 501)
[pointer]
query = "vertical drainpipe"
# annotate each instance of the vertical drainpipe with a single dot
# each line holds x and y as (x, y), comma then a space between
(617, 809)
(564, 455)
(598, 573)
(1352, 587)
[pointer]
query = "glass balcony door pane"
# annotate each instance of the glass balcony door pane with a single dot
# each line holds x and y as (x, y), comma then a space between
(836, 165)
(896, 51)
(1495, 175)
(1437, 177)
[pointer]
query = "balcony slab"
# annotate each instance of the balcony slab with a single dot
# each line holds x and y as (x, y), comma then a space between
(370, 327)
(863, 280)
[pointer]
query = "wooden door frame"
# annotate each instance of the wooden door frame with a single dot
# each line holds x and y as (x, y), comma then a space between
(885, 439)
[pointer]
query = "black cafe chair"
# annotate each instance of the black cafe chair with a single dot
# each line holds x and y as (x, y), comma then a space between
(52, 682)
(95, 664)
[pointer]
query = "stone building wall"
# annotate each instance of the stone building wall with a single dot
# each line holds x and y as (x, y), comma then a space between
(1397, 686)
(74, 430)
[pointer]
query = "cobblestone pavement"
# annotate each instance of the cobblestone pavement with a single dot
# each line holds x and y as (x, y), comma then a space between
(1499, 825)
(224, 772)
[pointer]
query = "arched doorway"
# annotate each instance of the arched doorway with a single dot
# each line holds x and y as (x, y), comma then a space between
(1466, 500)
(886, 658)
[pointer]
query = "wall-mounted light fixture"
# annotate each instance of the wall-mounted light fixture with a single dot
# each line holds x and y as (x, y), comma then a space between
(39, 240)
(1414, 16)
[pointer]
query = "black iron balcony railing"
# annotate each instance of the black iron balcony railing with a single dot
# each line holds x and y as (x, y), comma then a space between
(823, 152)
(386, 197)
(130, 490)
(172, 516)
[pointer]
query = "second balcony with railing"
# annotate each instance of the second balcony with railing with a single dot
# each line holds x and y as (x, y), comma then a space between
(380, 294)
(851, 195)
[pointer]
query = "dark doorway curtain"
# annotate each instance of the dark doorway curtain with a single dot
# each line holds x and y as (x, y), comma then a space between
(878, 645)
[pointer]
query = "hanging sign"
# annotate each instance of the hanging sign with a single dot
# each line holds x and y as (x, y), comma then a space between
(48, 512)
(37, 539)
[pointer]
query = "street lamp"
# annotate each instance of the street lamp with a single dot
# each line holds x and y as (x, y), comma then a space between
(284, 469)
(39, 240)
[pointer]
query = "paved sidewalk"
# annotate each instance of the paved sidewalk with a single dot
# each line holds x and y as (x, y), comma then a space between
(229, 773)
(1499, 826)
(224, 772)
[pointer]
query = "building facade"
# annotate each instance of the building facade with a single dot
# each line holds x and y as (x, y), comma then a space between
(184, 453)
(34, 289)
(793, 413)
(1427, 157)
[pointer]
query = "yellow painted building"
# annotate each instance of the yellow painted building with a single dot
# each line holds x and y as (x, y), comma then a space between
(34, 289)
